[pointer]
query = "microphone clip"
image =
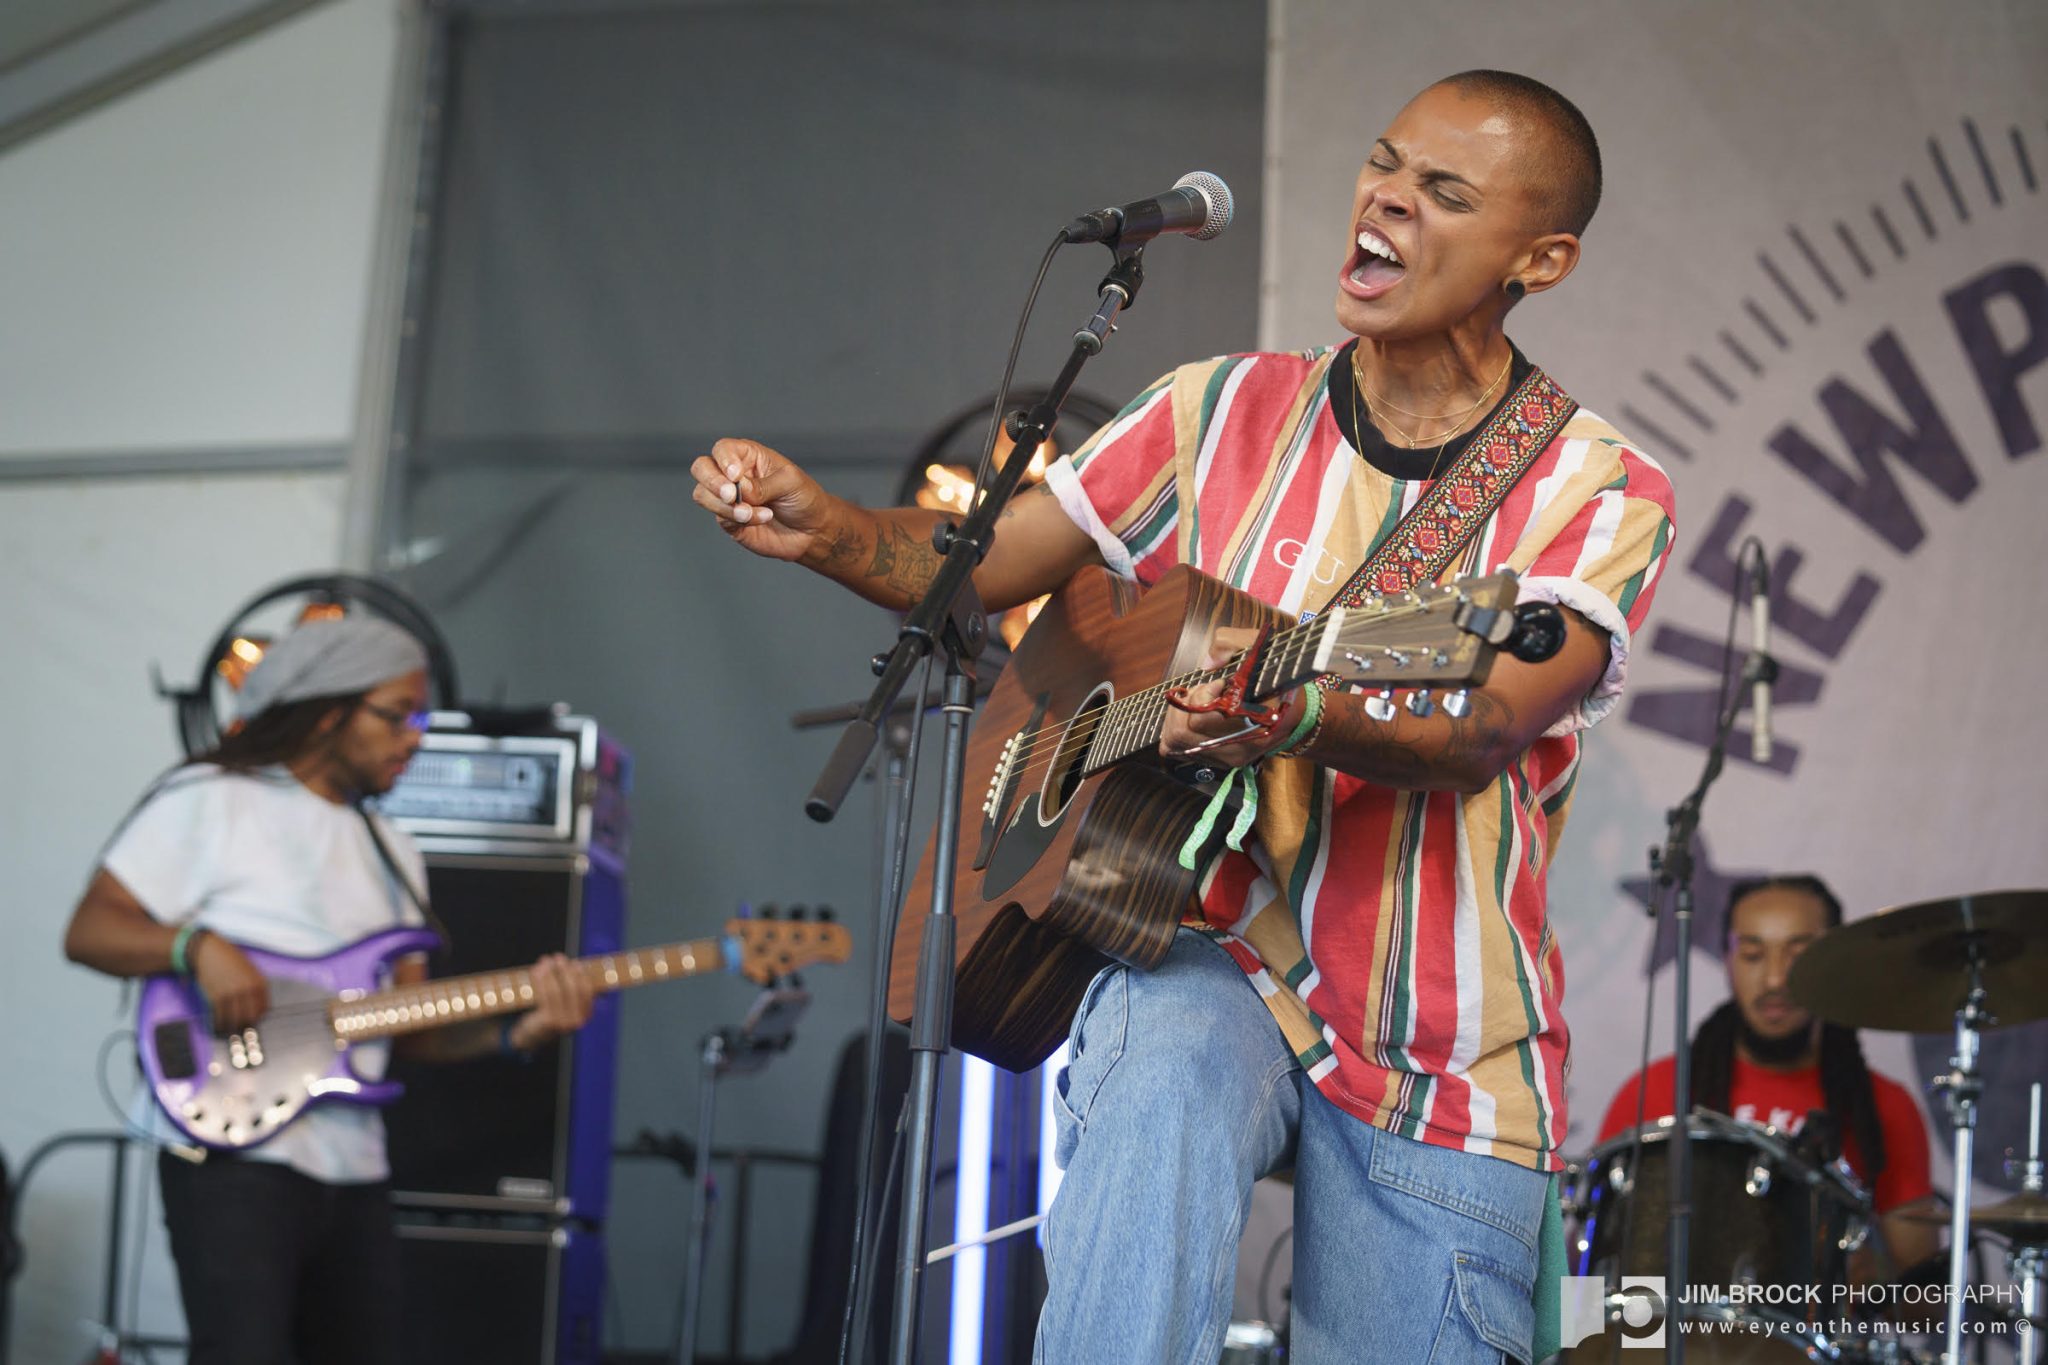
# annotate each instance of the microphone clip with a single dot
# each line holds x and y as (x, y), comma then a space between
(1118, 291)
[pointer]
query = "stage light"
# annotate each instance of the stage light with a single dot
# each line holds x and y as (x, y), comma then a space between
(940, 476)
(970, 1207)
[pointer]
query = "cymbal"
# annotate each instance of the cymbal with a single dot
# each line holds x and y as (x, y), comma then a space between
(2023, 1217)
(1906, 969)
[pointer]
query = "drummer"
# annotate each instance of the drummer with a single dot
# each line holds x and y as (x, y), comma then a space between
(1763, 1059)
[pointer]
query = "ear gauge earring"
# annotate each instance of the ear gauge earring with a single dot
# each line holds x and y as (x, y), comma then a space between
(1515, 289)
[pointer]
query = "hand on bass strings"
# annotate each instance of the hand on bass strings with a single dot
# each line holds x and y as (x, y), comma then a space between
(236, 993)
(562, 1002)
(761, 499)
(1183, 730)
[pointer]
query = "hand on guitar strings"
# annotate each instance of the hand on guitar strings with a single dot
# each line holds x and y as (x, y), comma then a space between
(1183, 730)
(562, 996)
(237, 994)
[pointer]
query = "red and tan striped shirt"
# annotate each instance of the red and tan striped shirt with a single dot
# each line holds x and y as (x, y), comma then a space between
(1401, 938)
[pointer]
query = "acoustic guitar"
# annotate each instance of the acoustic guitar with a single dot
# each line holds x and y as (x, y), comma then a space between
(1072, 823)
(238, 1089)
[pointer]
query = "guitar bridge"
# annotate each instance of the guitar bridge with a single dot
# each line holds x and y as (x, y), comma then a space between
(1000, 783)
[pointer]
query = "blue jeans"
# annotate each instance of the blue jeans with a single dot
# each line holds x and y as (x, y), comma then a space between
(1180, 1092)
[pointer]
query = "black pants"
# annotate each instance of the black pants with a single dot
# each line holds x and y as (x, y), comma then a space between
(275, 1267)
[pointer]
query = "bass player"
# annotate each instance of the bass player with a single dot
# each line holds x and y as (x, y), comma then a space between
(287, 1251)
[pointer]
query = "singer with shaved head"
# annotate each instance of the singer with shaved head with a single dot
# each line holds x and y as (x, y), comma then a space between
(1368, 991)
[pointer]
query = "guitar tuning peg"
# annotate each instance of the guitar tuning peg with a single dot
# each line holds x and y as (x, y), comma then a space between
(1458, 704)
(1380, 705)
(1420, 704)
(798, 911)
(765, 912)
(825, 914)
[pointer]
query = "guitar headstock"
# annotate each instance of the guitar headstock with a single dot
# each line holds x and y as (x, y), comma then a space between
(770, 948)
(1424, 637)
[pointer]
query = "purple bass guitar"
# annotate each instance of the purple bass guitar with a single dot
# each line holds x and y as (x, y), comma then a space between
(237, 1090)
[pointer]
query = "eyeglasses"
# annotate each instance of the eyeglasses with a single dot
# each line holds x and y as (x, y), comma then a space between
(400, 720)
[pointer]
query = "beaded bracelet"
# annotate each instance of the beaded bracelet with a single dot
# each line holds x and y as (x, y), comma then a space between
(1308, 728)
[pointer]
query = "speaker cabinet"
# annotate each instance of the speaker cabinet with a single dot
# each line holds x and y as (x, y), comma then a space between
(513, 1134)
(509, 1295)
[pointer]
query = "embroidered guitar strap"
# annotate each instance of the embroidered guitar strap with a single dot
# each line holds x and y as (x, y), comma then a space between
(1457, 505)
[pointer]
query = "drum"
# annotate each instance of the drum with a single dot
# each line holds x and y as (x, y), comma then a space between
(1771, 1235)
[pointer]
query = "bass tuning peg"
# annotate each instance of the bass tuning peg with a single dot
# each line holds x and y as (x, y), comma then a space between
(1458, 704)
(1380, 705)
(1420, 704)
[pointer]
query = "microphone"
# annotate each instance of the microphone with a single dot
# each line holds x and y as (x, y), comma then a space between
(1199, 204)
(1763, 669)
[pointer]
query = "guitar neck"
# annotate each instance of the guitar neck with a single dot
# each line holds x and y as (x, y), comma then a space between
(450, 1000)
(1132, 723)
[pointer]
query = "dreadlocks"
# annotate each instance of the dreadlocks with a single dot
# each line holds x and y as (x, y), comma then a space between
(1844, 1077)
(279, 734)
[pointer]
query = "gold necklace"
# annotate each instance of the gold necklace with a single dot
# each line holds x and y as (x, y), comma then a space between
(1358, 424)
(1456, 420)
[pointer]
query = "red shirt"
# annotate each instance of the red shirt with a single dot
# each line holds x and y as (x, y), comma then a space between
(1781, 1099)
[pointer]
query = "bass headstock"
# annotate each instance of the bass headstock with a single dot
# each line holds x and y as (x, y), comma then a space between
(771, 948)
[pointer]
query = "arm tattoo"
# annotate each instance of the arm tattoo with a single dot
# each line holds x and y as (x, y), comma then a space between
(1417, 754)
(1035, 491)
(842, 553)
(907, 563)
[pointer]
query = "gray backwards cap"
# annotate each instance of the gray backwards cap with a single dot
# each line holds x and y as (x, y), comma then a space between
(327, 658)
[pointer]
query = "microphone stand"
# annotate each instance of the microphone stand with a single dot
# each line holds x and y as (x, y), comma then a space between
(950, 618)
(1671, 866)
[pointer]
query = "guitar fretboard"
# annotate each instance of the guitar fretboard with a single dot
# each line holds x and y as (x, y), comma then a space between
(1132, 724)
(431, 1004)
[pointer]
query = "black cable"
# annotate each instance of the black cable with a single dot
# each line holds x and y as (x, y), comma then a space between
(995, 417)
(865, 1314)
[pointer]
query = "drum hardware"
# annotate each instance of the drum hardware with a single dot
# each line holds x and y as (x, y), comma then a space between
(1780, 1219)
(1252, 1343)
(1994, 946)
(2025, 1220)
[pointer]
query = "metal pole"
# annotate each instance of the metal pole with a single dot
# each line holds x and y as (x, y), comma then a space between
(931, 1026)
(1680, 1197)
(713, 1058)
(1962, 1085)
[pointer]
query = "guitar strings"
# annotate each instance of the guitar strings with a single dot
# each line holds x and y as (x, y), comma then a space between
(432, 989)
(1133, 706)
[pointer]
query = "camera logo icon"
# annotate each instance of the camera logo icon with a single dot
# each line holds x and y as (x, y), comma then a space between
(1583, 1309)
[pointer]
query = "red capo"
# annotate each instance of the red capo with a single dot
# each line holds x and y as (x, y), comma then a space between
(1259, 720)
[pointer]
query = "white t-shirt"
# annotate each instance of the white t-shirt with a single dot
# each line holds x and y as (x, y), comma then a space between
(260, 859)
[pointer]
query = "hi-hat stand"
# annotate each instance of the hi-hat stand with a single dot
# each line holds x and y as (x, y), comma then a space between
(1961, 1086)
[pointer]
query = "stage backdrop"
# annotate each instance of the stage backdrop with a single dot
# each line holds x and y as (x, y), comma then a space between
(1815, 293)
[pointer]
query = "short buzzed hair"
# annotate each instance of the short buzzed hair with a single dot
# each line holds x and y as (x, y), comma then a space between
(1567, 176)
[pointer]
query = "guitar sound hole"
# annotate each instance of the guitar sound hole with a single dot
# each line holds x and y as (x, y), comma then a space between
(1069, 760)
